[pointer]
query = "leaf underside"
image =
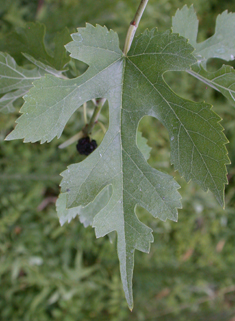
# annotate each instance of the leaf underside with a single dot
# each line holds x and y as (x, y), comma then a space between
(117, 170)
(86, 214)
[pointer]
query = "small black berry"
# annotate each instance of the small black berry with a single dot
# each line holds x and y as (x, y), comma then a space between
(86, 146)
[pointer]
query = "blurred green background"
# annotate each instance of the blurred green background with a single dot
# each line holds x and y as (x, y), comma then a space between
(49, 272)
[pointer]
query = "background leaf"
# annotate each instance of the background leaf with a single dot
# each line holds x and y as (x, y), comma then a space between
(222, 80)
(30, 40)
(16, 81)
(220, 45)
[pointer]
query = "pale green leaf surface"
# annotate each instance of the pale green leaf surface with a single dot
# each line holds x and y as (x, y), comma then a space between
(66, 214)
(220, 45)
(185, 23)
(134, 87)
(86, 214)
(61, 98)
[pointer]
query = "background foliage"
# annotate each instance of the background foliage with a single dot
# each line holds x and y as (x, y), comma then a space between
(48, 272)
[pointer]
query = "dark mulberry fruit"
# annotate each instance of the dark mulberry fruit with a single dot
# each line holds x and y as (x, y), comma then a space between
(86, 146)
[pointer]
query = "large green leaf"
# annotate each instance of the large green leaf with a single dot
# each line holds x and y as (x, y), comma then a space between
(220, 45)
(134, 87)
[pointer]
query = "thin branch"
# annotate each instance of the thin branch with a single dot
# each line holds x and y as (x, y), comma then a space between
(134, 25)
(71, 140)
(87, 129)
(94, 118)
(84, 113)
(39, 7)
(102, 127)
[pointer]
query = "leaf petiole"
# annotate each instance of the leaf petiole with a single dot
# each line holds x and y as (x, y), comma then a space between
(134, 25)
